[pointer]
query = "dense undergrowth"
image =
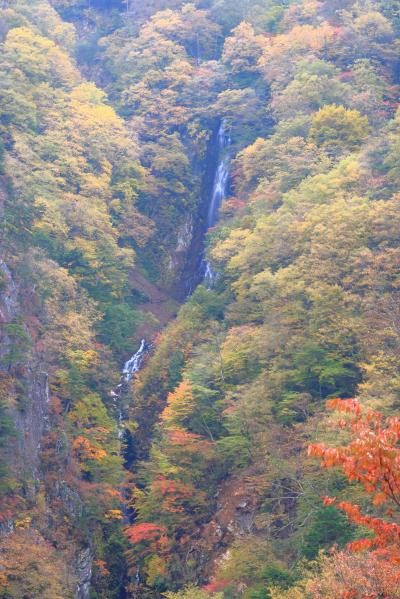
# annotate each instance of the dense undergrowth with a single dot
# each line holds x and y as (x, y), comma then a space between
(214, 494)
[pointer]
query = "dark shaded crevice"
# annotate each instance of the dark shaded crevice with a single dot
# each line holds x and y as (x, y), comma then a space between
(192, 273)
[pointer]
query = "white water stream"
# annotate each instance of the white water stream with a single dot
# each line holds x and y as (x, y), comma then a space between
(219, 191)
(132, 366)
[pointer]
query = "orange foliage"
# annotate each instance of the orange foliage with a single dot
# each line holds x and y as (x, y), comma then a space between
(179, 403)
(180, 437)
(233, 206)
(302, 38)
(146, 531)
(216, 586)
(372, 458)
(188, 443)
(101, 566)
(56, 407)
(115, 493)
(86, 451)
(167, 487)
(171, 493)
(114, 515)
(31, 567)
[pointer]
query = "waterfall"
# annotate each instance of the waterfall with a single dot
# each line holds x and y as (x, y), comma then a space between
(133, 365)
(221, 176)
(219, 190)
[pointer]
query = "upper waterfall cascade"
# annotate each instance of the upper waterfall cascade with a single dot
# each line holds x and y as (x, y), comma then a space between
(219, 193)
(220, 188)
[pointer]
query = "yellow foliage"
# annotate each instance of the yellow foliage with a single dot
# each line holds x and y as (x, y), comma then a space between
(31, 567)
(114, 515)
(179, 404)
(39, 57)
(336, 126)
(155, 569)
(24, 523)
(85, 450)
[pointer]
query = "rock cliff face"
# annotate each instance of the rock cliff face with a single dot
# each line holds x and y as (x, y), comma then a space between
(84, 564)
(237, 503)
(28, 399)
(26, 384)
(29, 392)
(25, 392)
(178, 256)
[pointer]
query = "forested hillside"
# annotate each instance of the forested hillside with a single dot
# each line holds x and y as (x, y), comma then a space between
(211, 187)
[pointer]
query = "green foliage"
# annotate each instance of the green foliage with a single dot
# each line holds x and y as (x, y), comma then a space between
(7, 434)
(315, 84)
(265, 14)
(118, 326)
(389, 162)
(235, 450)
(276, 575)
(391, 11)
(329, 527)
(82, 150)
(156, 81)
(191, 593)
(19, 345)
(7, 428)
(323, 373)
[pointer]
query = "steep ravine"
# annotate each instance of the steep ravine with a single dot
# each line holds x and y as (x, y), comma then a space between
(162, 309)
(238, 499)
(160, 306)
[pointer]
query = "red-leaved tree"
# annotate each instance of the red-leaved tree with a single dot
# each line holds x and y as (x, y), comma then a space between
(372, 458)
